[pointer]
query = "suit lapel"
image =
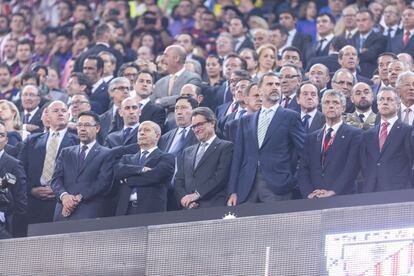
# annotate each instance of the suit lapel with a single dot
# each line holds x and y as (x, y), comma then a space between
(212, 148)
(171, 139)
(338, 141)
(3, 161)
(274, 124)
(254, 124)
(91, 155)
(130, 136)
(394, 132)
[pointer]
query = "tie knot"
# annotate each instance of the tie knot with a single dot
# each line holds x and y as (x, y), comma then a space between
(204, 145)
(306, 117)
(408, 110)
(322, 40)
(385, 124)
(145, 152)
(407, 33)
(84, 147)
(329, 131)
(55, 134)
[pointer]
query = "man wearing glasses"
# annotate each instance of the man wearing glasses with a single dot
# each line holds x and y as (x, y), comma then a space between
(202, 174)
(83, 174)
(343, 81)
(290, 78)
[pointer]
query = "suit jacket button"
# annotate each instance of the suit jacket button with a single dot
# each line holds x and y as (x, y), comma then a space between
(378, 164)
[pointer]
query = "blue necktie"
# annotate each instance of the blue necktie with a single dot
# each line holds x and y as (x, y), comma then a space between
(174, 149)
(305, 122)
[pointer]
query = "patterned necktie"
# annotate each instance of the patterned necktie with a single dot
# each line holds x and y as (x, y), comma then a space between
(200, 153)
(383, 134)
(264, 121)
(143, 158)
(287, 100)
(406, 38)
(171, 84)
(82, 155)
(26, 118)
(305, 122)
(175, 148)
(127, 131)
(407, 116)
(50, 159)
(326, 144)
(361, 117)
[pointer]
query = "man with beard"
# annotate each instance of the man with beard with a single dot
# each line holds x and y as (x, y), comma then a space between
(265, 140)
(363, 117)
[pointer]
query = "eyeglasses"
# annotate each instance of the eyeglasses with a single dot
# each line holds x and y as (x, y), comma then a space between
(133, 107)
(344, 82)
(200, 124)
(407, 84)
(124, 88)
(79, 102)
(31, 95)
(80, 125)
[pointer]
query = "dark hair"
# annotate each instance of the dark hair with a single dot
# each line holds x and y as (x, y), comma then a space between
(293, 49)
(303, 84)
(243, 74)
(388, 54)
(290, 12)
(242, 61)
(125, 66)
(282, 29)
(246, 91)
(30, 75)
(86, 33)
(206, 113)
(331, 17)
(91, 114)
(365, 10)
(35, 67)
(4, 65)
(101, 30)
(68, 3)
(192, 101)
(65, 33)
(338, 42)
(244, 23)
(268, 74)
(83, 3)
(99, 61)
(146, 72)
(82, 80)
(25, 42)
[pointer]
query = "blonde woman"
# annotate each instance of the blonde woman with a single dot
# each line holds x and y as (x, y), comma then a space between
(9, 115)
(267, 61)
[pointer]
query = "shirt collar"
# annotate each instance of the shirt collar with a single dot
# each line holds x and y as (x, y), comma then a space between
(403, 107)
(177, 74)
(149, 150)
(390, 121)
(335, 127)
(31, 112)
(273, 108)
(1, 153)
(209, 141)
(133, 127)
(90, 145)
(61, 132)
(366, 114)
(311, 114)
(144, 102)
(328, 38)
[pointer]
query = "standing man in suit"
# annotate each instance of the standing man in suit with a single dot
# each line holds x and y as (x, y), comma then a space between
(143, 91)
(93, 69)
(32, 112)
(404, 42)
(368, 43)
(362, 98)
(405, 89)
(348, 59)
(83, 173)
(319, 76)
(239, 30)
(202, 174)
(308, 100)
(12, 217)
(328, 164)
(263, 143)
(292, 55)
(287, 18)
(386, 154)
(178, 139)
(395, 68)
(111, 120)
(343, 80)
(104, 36)
(167, 89)
(290, 78)
(392, 18)
(39, 154)
(145, 175)
(325, 24)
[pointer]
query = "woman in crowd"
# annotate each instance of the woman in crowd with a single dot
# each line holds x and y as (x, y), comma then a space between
(267, 60)
(213, 69)
(9, 115)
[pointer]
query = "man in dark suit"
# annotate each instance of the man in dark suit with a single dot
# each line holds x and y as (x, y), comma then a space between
(111, 120)
(386, 153)
(263, 143)
(38, 156)
(104, 35)
(325, 24)
(202, 173)
(404, 42)
(406, 92)
(288, 19)
(331, 60)
(143, 91)
(13, 216)
(93, 69)
(319, 76)
(308, 100)
(348, 59)
(328, 165)
(343, 80)
(290, 78)
(31, 115)
(83, 173)
(368, 43)
(383, 61)
(145, 175)
(238, 29)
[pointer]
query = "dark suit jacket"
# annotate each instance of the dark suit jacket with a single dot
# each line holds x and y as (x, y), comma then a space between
(209, 178)
(222, 110)
(391, 168)
(361, 78)
(230, 130)
(109, 124)
(91, 180)
(375, 44)
(16, 215)
(166, 140)
(151, 185)
(318, 122)
(330, 61)
(311, 51)
(222, 94)
(301, 41)
(284, 137)
(293, 104)
(35, 120)
(340, 167)
(100, 99)
(221, 124)
(247, 43)
(93, 51)
(33, 155)
(153, 112)
(397, 45)
(119, 146)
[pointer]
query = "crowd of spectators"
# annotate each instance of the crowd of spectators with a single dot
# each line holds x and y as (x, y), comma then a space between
(125, 107)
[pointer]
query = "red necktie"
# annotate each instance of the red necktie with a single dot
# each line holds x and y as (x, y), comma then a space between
(287, 99)
(406, 38)
(383, 134)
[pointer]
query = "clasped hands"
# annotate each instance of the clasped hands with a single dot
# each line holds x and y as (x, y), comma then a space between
(190, 201)
(70, 202)
(320, 193)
